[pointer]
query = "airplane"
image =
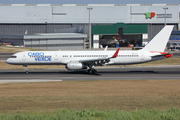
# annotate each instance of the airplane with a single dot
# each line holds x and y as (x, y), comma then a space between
(107, 41)
(103, 41)
(80, 60)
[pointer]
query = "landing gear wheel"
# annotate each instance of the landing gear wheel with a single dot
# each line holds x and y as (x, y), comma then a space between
(92, 71)
(26, 69)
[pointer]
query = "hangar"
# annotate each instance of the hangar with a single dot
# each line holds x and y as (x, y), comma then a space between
(73, 18)
(52, 41)
(133, 34)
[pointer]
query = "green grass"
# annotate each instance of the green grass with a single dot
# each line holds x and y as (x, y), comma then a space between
(92, 114)
(91, 100)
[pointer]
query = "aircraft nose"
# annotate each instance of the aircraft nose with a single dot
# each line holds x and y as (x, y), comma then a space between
(8, 60)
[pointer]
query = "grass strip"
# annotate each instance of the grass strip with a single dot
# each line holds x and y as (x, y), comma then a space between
(127, 95)
(92, 114)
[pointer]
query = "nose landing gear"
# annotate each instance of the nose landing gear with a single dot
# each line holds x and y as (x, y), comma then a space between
(26, 68)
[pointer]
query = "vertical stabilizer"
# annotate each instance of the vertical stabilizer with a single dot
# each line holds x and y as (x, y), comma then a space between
(159, 42)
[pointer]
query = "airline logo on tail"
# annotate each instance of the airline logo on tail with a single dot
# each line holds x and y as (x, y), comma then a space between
(150, 15)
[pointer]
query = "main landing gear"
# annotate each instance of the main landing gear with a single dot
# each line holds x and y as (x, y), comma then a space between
(91, 70)
(26, 69)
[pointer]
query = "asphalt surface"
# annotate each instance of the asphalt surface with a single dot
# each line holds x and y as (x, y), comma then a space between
(176, 54)
(119, 73)
(5, 56)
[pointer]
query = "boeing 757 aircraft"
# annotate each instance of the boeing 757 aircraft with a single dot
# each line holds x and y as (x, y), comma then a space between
(78, 60)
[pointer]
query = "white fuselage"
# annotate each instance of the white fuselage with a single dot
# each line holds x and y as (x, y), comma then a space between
(64, 57)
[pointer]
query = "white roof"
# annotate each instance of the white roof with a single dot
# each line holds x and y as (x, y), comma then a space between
(84, 4)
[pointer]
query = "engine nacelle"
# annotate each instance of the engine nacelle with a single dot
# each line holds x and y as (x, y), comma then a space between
(75, 66)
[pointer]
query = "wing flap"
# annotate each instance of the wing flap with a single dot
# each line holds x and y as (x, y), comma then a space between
(100, 61)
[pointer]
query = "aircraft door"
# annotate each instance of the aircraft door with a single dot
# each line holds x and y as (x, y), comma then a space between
(56, 56)
(142, 56)
(23, 56)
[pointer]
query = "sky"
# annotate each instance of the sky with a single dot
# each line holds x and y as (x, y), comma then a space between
(89, 1)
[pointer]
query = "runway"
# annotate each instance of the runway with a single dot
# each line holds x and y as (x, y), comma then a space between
(5, 56)
(107, 73)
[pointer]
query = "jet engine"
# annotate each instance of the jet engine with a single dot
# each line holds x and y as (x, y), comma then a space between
(75, 66)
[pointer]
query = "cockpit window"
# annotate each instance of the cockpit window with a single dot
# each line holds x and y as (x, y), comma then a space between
(13, 56)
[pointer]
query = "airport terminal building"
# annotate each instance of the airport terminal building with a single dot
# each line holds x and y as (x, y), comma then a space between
(135, 23)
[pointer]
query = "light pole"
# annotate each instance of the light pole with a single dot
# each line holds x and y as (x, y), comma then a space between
(89, 8)
(165, 8)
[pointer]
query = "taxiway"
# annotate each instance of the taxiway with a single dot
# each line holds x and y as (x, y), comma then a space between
(104, 73)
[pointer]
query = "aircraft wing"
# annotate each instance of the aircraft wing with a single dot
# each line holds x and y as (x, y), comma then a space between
(100, 61)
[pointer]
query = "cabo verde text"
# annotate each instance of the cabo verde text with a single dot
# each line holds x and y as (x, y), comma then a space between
(39, 56)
